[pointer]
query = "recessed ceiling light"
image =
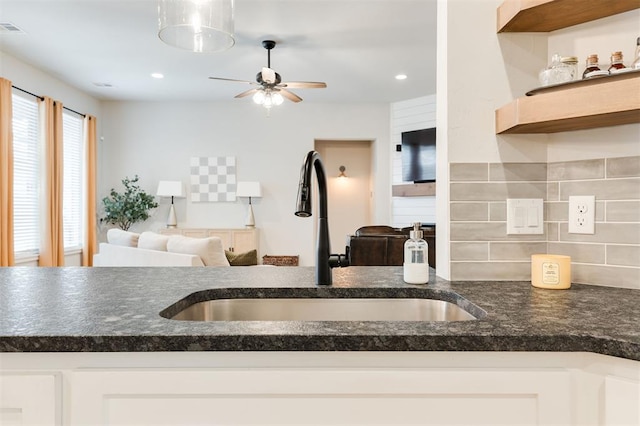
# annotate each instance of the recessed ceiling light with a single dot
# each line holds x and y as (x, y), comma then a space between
(157, 75)
(401, 77)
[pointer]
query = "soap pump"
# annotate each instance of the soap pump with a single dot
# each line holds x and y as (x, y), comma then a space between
(416, 264)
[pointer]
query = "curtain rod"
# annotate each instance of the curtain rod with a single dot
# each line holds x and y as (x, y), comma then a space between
(42, 98)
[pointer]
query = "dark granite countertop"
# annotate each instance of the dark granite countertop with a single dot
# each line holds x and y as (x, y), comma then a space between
(118, 310)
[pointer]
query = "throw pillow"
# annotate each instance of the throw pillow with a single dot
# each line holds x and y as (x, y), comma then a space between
(247, 258)
(119, 237)
(209, 249)
(152, 241)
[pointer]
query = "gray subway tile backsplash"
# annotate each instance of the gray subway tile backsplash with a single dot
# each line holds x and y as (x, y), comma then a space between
(481, 250)
(513, 172)
(468, 172)
(623, 167)
(576, 170)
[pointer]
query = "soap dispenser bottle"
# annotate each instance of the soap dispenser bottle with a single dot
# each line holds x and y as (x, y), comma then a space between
(416, 264)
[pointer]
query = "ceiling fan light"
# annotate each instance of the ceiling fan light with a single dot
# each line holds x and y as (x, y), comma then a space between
(259, 97)
(196, 25)
(277, 98)
(268, 101)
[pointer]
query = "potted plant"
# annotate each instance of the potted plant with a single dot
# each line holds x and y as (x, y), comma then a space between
(129, 207)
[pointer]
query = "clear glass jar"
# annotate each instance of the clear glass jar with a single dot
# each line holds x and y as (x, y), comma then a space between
(561, 70)
(571, 63)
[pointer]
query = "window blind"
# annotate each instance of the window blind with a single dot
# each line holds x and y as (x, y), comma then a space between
(26, 166)
(73, 170)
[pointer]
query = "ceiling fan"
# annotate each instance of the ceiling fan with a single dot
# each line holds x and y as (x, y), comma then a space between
(272, 90)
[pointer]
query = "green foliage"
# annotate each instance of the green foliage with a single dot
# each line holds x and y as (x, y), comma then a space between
(126, 209)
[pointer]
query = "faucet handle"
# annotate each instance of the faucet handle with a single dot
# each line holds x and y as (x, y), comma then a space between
(339, 260)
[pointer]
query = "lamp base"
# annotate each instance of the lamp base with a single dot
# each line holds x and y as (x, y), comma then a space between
(250, 221)
(172, 221)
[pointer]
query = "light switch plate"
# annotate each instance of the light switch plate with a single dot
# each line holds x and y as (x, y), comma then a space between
(525, 216)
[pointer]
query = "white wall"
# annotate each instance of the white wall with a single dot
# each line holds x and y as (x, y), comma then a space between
(40, 83)
(156, 140)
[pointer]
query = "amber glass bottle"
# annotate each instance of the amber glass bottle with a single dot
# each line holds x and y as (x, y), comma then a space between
(592, 65)
(616, 61)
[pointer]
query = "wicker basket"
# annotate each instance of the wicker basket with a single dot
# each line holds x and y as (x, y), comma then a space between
(280, 260)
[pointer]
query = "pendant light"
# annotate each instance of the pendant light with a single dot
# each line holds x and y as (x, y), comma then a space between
(200, 26)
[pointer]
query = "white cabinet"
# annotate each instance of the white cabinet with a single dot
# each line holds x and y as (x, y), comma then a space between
(29, 399)
(318, 388)
(238, 240)
(621, 401)
(381, 396)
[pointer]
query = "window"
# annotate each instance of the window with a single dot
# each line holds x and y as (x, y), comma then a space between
(26, 166)
(72, 125)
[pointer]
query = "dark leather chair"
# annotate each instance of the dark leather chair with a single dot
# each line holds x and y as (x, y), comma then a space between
(384, 245)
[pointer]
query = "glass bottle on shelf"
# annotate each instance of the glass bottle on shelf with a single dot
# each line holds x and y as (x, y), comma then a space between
(616, 61)
(592, 65)
(571, 64)
(636, 62)
(416, 258)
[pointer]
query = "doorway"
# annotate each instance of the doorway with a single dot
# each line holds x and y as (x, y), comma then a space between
(349, 198)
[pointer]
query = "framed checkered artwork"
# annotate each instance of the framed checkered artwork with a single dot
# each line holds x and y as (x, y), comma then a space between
(213, 179)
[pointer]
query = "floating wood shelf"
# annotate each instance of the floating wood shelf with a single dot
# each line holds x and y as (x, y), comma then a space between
(607, 101)
(414, 190)
(551, 15)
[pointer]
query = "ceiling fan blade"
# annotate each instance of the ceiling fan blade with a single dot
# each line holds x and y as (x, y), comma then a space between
(246, 93)
(268, 75)
(304, 85)
(290, 95)
(232, 79)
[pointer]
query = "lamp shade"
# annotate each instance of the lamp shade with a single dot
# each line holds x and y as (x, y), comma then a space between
(196, 25)
(170, 188)
(248, 189)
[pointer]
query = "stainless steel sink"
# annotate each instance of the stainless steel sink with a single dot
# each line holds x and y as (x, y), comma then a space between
(324, 309)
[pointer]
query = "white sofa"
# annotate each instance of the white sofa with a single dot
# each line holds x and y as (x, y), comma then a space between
(125, 248)
(115, 255)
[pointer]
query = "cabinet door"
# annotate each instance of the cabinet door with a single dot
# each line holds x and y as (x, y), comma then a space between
(621, 401)
(322, 397)
(244, 240)
(29, 399)
(194, 233)
(224, 235)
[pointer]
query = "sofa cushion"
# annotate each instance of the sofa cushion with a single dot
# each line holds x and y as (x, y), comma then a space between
(152, 241)
(247, 258)
(122, 238)
(209, 249)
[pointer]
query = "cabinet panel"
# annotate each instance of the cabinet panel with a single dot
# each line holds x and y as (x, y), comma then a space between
(328, 397)
(239, 240)
(29, 399)
(621, 401)
(245, 240)
(225, 236)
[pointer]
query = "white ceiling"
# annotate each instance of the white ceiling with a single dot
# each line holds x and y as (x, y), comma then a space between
(355, 46)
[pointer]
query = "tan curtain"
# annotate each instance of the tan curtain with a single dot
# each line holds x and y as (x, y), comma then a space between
(90, 238)
(52, 234)
(6, 175)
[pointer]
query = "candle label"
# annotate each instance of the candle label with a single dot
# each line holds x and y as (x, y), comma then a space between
(550, 273)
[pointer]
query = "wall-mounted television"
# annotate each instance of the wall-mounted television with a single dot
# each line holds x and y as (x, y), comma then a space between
(419, 155)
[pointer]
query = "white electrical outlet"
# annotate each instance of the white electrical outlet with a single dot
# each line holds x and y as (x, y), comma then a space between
(582, 214)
